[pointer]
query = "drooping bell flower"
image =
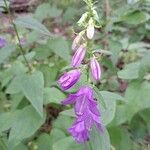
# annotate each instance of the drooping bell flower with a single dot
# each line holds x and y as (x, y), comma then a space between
(90, 29)
(68, 79)
(95, 69)
(76, 42)
(85, 105)
(79, 132)
(87, 114)
(82, 126)
(78, 56)
(80, 99)
(2, 42)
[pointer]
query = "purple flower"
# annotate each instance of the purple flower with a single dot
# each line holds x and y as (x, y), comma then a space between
(95, 69)
(87, 114)
(2, 42)
(79, 132)
(78, 56)
(68, 79)
(80, 99)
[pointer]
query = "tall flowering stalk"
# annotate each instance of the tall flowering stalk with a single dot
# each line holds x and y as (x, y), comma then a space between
(83, 101)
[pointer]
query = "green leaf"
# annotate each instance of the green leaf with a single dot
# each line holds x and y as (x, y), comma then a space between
(61, 47)
(67, 143)
(63, 122)
(115, 48)
(145, 116)
(7, 119)
(138, 46)
(120, 115)
(20, 147)
(108, 111)
(44, 142)
(57, 134)
(53, 95)
(25, 125)
(69, 112)
(111, 96)
(3, 145)
(31, 23)
(48, 11)
(14, 86)
(32, 86)
(131, 71)
(99, 141)
(136, 17)
(138, 127)
(5, 52)
(120, 138)
(137, 95)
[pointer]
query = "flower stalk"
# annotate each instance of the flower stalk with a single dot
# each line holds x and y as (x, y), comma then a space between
(17, 35)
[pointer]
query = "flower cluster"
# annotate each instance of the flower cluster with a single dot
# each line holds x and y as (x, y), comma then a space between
(85, 106)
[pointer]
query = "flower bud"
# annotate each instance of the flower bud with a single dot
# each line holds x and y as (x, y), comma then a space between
(68, 79)
(82, 20)
(76, 42)
(78, 56)
(2, 42)
(95, 69)
(90, 29)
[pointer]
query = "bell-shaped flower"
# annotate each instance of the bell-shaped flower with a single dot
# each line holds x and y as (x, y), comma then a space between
(68, 79)
(95, 69)
(80, 97)
(79, 132)
(87, 113)
(78, 56)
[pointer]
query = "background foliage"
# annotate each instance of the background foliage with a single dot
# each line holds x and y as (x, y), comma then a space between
(31, 116)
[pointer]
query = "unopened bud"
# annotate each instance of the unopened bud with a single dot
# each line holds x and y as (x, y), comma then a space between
(90, 29)
(95, 69)
(75, 43)
(78, 56)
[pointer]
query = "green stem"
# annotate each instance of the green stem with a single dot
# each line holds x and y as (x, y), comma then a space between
(18, 38)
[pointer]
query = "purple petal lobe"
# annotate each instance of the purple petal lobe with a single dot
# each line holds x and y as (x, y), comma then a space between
(67, 80)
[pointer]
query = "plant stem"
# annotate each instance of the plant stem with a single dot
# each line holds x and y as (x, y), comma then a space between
(107, 14)
(18, 38)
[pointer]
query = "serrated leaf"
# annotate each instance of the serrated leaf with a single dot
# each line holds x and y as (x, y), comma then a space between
(108, 113)
(53, 95)
(111, 96)
(5, 52)
(137, 95)
(120, 138)
(25, 125)
(67, 144)
(31, 23)
(47, 11)
(99, 141)
(136, 17)
(60, 47)
(7, 119)
(131, 71)
(32, 86)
